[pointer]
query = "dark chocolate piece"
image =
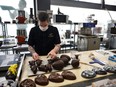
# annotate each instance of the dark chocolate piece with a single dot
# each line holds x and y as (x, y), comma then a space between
(65, 60)
(27, 83)
(99, 71)
(43, 68)
(34, 69)
(58, 65)
(110, 69)
(66, 56)
(75, 63)
(88, 74)
(50, 61)
(68, 75)
(55, 77)
(38, 62)
(49, 67)
(31, 63)
(41, 80)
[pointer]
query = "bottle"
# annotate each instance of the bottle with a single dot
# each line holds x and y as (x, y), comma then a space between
(0, 20)
(31, 19)
(36, 22)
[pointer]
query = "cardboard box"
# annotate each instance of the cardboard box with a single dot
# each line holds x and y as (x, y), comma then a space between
(93, 44)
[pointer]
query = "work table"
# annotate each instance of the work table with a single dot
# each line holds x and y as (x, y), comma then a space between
(84, 65)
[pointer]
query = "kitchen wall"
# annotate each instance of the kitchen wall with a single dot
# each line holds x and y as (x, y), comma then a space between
(75, 14)
(10, 13)
(80, 15)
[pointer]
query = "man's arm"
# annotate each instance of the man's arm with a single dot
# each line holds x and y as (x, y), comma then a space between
(31, 49)
(34, 54)
(54, 51)
(57, 48)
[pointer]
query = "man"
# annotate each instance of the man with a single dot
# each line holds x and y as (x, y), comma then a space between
(44, 39)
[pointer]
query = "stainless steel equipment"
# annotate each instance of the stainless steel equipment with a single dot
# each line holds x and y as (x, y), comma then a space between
(88, 42)
(111, 34)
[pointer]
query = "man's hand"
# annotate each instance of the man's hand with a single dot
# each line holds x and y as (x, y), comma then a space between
(35, 56)
(52, 54)
(54, 51)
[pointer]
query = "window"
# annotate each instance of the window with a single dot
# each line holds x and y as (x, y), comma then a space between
(110, 2)
(91, 1)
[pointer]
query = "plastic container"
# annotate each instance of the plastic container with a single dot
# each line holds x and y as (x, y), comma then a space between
(7, 83)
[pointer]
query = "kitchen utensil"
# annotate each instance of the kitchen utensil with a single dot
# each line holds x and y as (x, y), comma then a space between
(112, 58)
(96, 61)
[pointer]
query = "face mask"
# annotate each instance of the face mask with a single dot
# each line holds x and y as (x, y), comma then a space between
(43, 28)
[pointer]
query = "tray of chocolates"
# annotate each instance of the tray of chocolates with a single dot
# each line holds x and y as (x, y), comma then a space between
(43, 80)
(64, 62)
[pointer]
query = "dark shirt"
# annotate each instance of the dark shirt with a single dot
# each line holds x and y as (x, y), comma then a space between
(43, 41)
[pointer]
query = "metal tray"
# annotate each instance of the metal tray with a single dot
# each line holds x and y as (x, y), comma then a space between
(7, 60)
(30, 73)
(4, 68)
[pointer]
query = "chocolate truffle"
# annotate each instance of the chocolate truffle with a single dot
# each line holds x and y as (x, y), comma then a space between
(34, 69)
(75, 63)
(27, 83)
(32, 62)
(68, 75)
(58, 65)
(99, 71)
(65, 60)
(88, 74)
(66, 56)
(38, 62)
(50, 61)
(77, 56)
(55, 77)
(41, 80)
(110, 69)
(43, 68)
(49, 67)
